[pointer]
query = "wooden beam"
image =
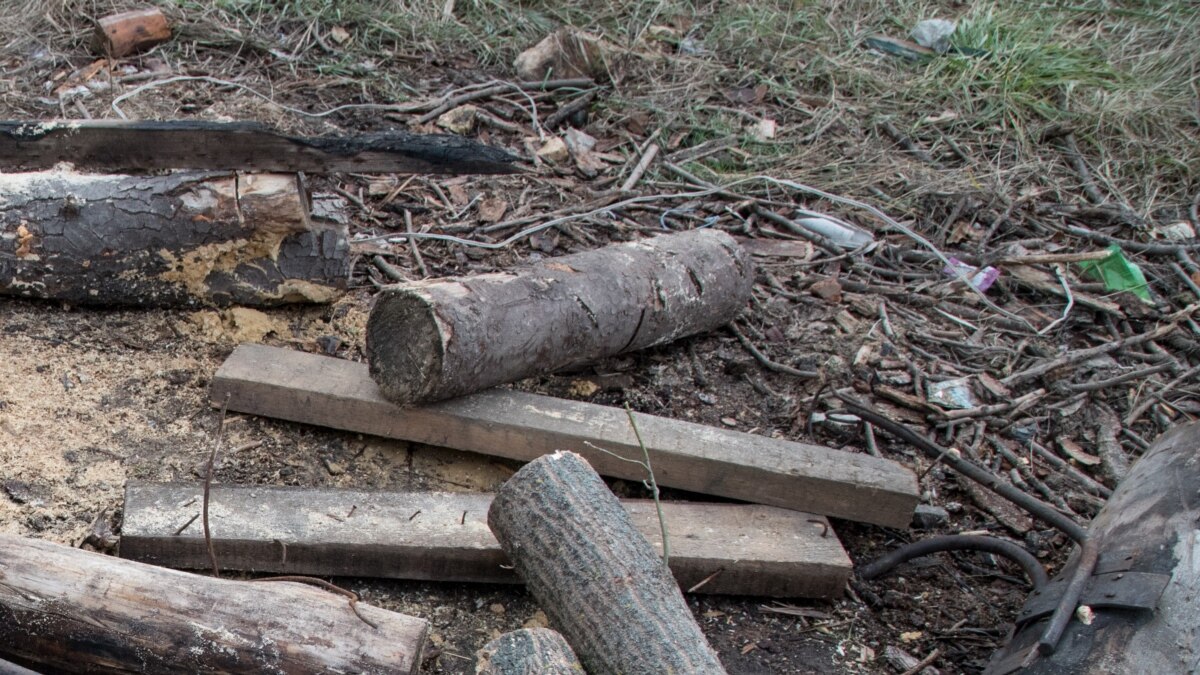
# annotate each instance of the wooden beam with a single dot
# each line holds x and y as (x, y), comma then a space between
(108, 145)
(335, 393)
(442, 536)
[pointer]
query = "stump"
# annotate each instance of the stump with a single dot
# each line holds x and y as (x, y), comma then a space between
(182, 239)
(438, 339)
(594, 574)
(527, 651)
(1143, 594)
(68, 609)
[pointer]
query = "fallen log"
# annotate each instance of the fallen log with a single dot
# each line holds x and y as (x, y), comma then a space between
(179, 239)
(739, 549)
(78, 611)
(119, 145)
(1139, 611)
(596, 577)
(528, 651)
(335, 393)
(437, 339)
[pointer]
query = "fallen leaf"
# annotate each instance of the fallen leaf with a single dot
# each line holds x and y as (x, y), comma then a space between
(749, 648)
(747, 95)
(339, 35)
(827, 289)
(491, 210)
(554, 150)
(911, 636)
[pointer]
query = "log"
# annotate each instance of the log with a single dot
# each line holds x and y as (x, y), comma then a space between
(738, 549)
(597, 578)
(527, 651)
(119, 145)
(437, 339)
(78, 611)
(1143, 593)
(335, 393)
(182, 239)
(122, 34)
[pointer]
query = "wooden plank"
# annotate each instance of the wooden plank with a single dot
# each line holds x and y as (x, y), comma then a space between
(335, 393)
(121, 145)
(442, 536)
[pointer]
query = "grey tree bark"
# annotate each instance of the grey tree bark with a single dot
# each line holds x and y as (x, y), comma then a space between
(597, 578)
(526, 651)
(448, 337)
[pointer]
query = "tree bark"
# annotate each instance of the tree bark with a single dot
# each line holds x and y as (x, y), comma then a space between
(180, 239)
(448, 337)
(121, 145)
(1147, 528)
(594, 574)
(525, 651)
(76, 611)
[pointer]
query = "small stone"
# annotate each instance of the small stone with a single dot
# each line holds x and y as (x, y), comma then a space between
(729, 421)
(828, 290)
(706, 398)
(329, 344)
(927, 517)
(497, 609)
(554, 150)
(566, 53)
(460, 120)
(538, 620)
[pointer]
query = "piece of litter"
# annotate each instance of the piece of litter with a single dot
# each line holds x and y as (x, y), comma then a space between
(951, 394)
(981, 279)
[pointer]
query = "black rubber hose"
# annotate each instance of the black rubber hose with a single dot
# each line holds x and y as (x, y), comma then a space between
(957, 542)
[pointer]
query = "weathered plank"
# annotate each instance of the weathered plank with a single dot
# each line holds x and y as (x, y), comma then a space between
(443, 536)
(335, 393)
(136, 145)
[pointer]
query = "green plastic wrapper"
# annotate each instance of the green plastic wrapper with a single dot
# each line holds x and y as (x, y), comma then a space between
(1117, 273)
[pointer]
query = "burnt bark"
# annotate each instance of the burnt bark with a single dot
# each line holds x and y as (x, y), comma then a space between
(67, 610)
(525, 651)
(437, 339)
(597, 578)
(1149, 545)
(119, 145)
(182, 239)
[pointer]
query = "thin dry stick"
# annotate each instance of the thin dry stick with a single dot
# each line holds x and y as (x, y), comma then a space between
(1080, 355)
(768, 363)
(923, 663)
(416, 252)
(662, 522)
(208, 476)
(329, 587)
(640, 169)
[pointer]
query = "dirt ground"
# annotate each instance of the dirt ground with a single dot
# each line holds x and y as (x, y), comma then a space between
(92, 396)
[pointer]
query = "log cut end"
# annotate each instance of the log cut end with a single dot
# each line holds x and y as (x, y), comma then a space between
(528, 650)
(406, 342)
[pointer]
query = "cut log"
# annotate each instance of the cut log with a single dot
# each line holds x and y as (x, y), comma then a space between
(1142, 596)
(436, 339)
(180, 239)
(82, 612)
(118, 145)
(336, 393)
(739, 549)
(124, 33)
(528, 651)
(597, 578)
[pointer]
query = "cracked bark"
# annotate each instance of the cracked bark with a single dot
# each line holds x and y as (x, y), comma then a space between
(184, 239)
(594, 575)
(441, 338)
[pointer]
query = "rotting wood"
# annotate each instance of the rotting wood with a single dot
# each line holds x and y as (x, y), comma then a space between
(124, 33)
(117, 145)
(336, 393)
(597, 578)
(179, 239)
(76, 611)
(1149, 545)
(740, 549)
(437, 339)
(528, 651)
